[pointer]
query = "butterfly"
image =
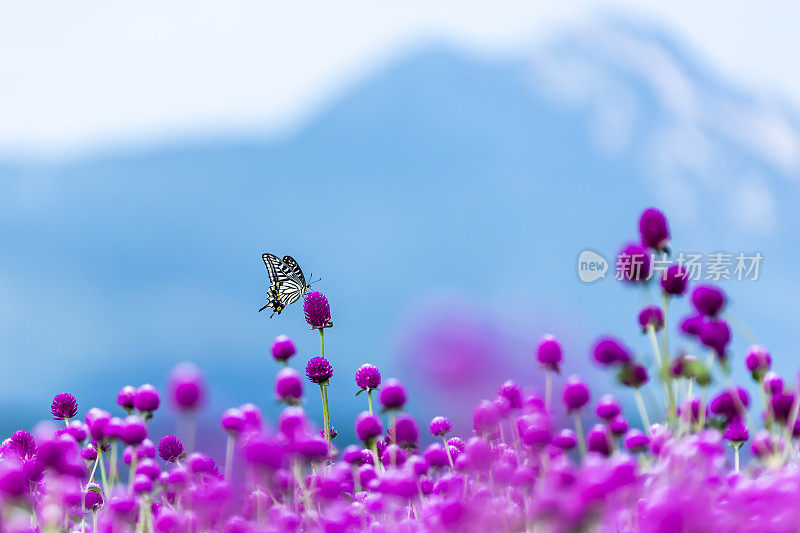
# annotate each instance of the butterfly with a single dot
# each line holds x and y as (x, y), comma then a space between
(287, 283)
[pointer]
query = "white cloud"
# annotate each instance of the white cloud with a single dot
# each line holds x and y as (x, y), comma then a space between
(77, 75)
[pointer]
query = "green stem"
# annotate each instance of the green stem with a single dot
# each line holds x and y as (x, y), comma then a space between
(373, 445)
(548, 388)
(325, 414)
(447, 451)
(103, 473)
(369, 399)
(736, 457)
(322, 342)
(229, 458)
(637, 395)
(579, 434)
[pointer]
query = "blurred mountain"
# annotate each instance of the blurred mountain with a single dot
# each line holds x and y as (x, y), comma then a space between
(446, 191)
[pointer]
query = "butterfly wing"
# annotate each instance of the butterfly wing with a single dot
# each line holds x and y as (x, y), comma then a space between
(284, 288)
(294, 269)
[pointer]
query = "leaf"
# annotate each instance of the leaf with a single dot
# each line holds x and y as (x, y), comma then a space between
(95, 489)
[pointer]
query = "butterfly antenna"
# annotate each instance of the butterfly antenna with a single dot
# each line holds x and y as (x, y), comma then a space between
(316, 280)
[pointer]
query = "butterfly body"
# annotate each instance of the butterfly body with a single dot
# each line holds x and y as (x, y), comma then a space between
(286, 282)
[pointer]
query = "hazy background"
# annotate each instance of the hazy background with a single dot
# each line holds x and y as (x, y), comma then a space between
(441, 167)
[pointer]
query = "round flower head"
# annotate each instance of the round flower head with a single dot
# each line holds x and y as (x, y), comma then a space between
(485, 418)
(283, 348)
(773, 382)
(549, 353)
(133, 431)
(368, 426)
(289, 386)
(233, 421)
(317, 310)
(142, 484)
(393, 395)
(708, 300)
(598, 440)
(187, 387)
(636, 441)
(716, 335)
(651, 316)
(170, 449)
(653, 229)
(765, 444)
(97, 421)
(691, 325)
(125, 397)
(512, 392)
(736, 431)
(146, 399)
(633, 263)
(674, 280)
(368, 377)
(406, 432)
(607, 407)
(758, 361)
(93, 497)
(64, 406)
(609, 351)
(20, 445)
(440, 426)
(633, 375)
(575, 393)
(730, 403)
(319, 370)
(88, 453)
(566, 439)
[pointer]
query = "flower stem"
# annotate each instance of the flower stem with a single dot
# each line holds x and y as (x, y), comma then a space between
(447, 451)
(322, 342)
(548, 388)
(637, 395)
(325, 414)
(579, 434)
(103, 473)
(736, 457)
(369, 400)
(229, 457)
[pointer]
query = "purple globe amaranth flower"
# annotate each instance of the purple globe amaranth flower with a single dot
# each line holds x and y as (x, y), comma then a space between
(575, 393)
(736, 431)
(93, 497)
(653, 229)
(170, 449)
(773, 382)
(730, 403)
(440, 426)
(675, 280)
(634, 263)
(64, 406)
(142, 484)
(97, 421)
(233, 421)
(633, 375)
(692, 324)
(765, 444)
(89, 453)
(405, 430)
(146, 399)
(636, 441)
(549, 353)
(319, 370)
(264, 452)
(485, 418)
(187, 387)
(125, 397)
(368, 426)
(716, 334)
(566, 439)
(511, 391)
(331, 430)
(618, 426)
(651, 316)
(758, 361)
(133, 431)
(20, 445)
(598, 440)
(393, 395)
(781, 405)
(283, 348)
(368, 377)
(289, 385)
(708, 300)
(607, 407)
(317, 310)
(609, 351)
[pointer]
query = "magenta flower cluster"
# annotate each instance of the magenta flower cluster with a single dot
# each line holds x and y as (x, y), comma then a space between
(552, 458)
